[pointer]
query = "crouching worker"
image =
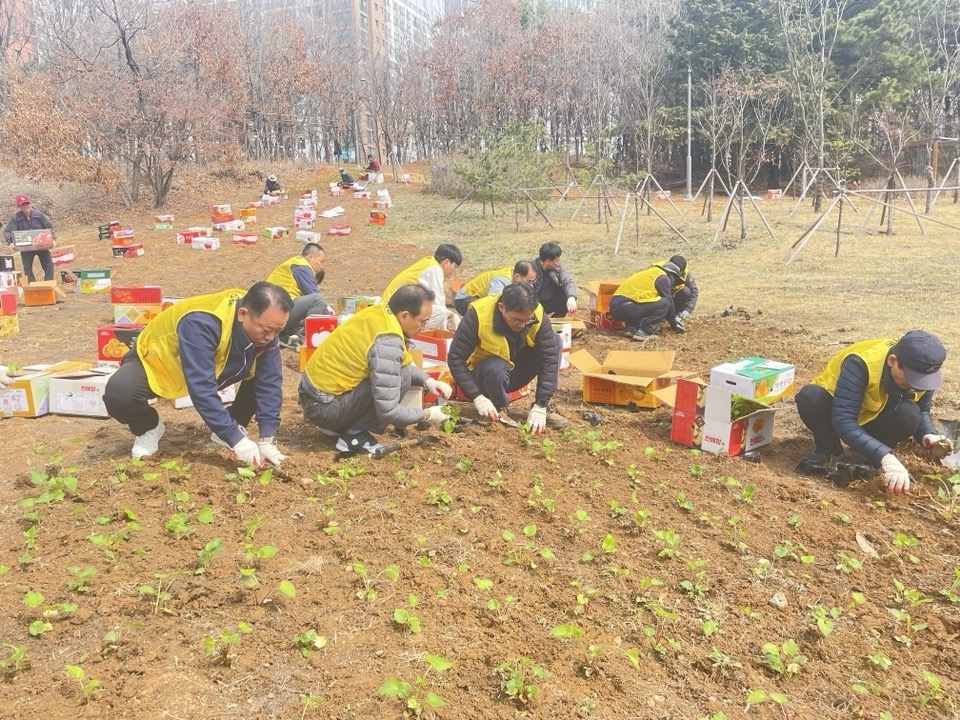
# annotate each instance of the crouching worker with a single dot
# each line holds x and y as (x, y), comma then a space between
(645, 299)
(504, 342)
(272, 185)
(354, 383)
(197, 347)
(301, 276)
(872, 395)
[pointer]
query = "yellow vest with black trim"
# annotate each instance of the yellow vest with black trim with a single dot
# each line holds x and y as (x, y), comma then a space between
(410, 276)
(874, 354)
(491, 343)
(683, 276)
(640, 287)
(282, 275)
(159, 347)
(478, 287)
(340, 363)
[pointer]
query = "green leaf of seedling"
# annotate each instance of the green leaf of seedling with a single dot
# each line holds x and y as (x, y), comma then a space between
(32, 599)
(568, 630)
(287, 588)
(437, 663)
(483, 583)
(393, 687)
(433, 700)
(75, 671)
(392, 572)
(634, 657)
(205, 515)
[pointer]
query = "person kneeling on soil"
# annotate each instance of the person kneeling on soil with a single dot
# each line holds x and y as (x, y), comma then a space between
(300, 276)
(685, 292)
(346, 179)
(355, 382)
(431, 272)
(872, 395)
(502, 344)
(645, 299)
(492, 282)
(272, 186)
(197, 347)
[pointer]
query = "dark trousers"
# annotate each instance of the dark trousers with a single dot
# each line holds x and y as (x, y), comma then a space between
(893, 425)
(46, 263)
(495, 378)
(555, 305)
(303, 305)
(680, 299)
(351, 409)
(645, 317)
(127, 396)
(461, 304)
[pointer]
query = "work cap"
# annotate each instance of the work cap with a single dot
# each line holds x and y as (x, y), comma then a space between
(671, 268)
(22, 200)
(681, 262)
(921, 355)
(271, 177)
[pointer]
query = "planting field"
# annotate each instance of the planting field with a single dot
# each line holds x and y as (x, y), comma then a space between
(596, 572)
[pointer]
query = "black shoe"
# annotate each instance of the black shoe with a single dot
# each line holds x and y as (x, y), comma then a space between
(819, 463)
(356, 443)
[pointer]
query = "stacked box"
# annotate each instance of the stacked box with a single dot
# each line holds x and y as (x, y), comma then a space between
(351, 304)
(338, 230)
(80, 392)
(135, 314)
(123, 236)
(248, 215)
(275, 233)
(305, 236)
(63, 255)
(229, 226)
(9, 321)
(6, 263)
(378, 217)
(754, 378)
(105, 231)
(136, 295)
(186, 237)
(33, 240)
(29, 394)
(245, 238)
(10, 279)
(168, 301)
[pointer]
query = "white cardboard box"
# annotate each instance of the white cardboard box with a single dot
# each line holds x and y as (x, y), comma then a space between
(80, 393)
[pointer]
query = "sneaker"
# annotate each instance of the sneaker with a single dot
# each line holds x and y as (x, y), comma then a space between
(629, 332)
(356, 443)
(555, 420)
(146, 445)
(640, 336)
(818, 463)
(291, 342)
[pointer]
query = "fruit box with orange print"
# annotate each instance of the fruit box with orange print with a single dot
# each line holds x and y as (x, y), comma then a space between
(626, 377)
(135, 314)
(716, 420)
(755, 378)
(113, 341)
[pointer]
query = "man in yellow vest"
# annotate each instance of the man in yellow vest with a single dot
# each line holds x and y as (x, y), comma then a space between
(197, 347)
(301, 276)
(492, 282)
(355, 382)
(431, 272)
(645, 299)
(504, 342)
(872, 395)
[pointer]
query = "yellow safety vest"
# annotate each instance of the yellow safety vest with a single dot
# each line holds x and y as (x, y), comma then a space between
(477, 288)
(340, 363)
(640, 287)
(874, 353)
(410, 276)
(282, 275)
(159, 347)
(490, 342)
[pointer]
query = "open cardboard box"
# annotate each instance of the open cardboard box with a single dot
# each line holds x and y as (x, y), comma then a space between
(29, 394)
(433, 343)
(599, 293)
(80, 392)
(626, 377)
(716, 420)
(755, 378)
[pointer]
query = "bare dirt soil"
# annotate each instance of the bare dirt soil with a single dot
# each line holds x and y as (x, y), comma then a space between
(598, 572)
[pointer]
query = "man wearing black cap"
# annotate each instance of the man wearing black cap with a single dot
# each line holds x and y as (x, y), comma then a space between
(645, 299)
(685, 292)
(872, 395)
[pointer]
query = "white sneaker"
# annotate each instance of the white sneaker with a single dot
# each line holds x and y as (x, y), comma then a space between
(146, 445)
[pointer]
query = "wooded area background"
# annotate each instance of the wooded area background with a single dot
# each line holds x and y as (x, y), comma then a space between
(122, 92)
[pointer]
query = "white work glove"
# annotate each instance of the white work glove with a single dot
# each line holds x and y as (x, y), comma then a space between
(896, 475)
(248, 452)
(5, 379)
(683, 315)
(453, 321)
(269, 452)
(485, 407)
(939, 444)
(571, 305)
(435, 415)
(678, 324)
(437, 387)
(537, 419)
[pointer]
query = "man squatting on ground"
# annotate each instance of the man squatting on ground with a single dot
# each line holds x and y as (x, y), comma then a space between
(354, 382)
(557, 293)
(431, 273)
(301, 276)
(872, 395)
(197, 347)
(502, 344)
(645, 299)
(492, 282)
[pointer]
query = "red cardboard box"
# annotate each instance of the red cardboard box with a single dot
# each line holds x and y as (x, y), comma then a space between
(113, 341)
(336, 229)
(432, 343)
(124, 236)
(136, 295)
(8, 302)
(245, 238)
(187, 236)
(317, 328)
(63, 255)
(605, 321)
